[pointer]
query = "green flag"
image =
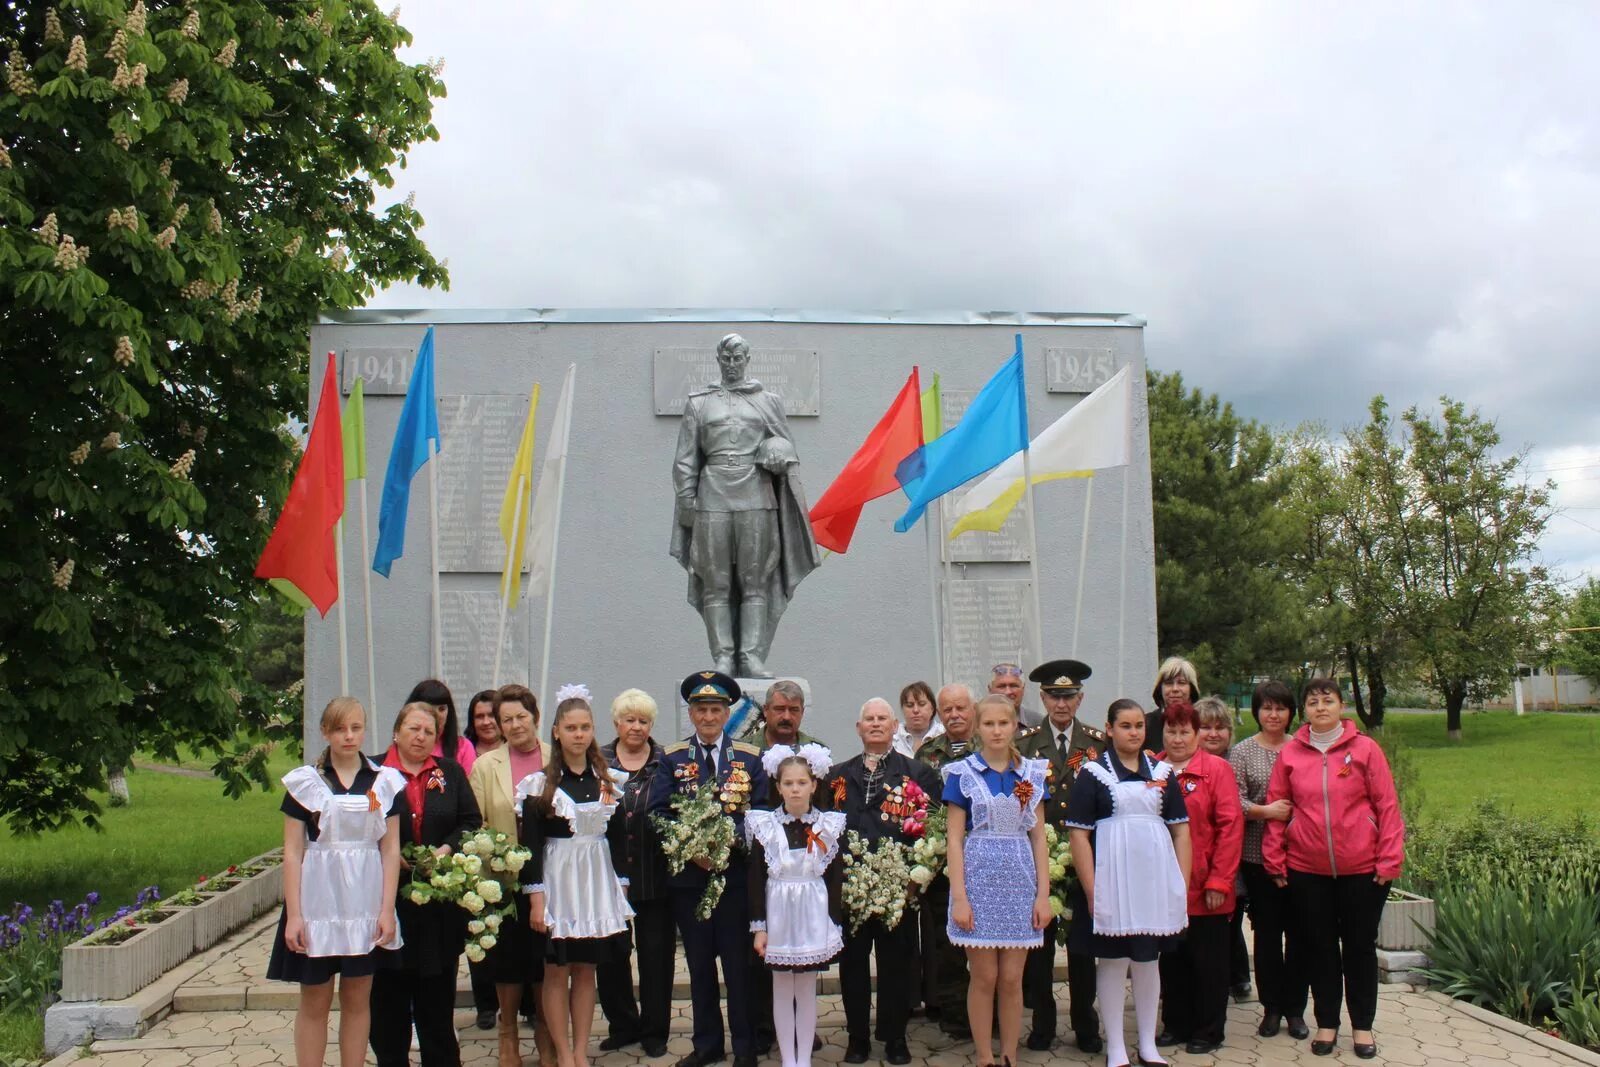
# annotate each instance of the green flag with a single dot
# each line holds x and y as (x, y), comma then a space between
(932, 413)
(355, 434)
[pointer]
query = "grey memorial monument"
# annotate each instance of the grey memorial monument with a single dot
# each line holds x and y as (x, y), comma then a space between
(650, 447)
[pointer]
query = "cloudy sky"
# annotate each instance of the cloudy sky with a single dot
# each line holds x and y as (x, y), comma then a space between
(1310, 203)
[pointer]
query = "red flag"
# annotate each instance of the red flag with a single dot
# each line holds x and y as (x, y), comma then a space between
(299, 557)
(871, 471)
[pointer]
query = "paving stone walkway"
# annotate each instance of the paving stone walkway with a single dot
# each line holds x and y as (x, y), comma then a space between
(229, 1014)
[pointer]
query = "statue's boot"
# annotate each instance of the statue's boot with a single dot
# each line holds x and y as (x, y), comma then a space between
(753, 638)
(719, 633)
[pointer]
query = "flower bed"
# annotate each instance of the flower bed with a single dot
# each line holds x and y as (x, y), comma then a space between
(114, 963)
(1407, 922)
(233, 897)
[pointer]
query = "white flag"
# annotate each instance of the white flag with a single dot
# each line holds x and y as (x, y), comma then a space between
(1094, 435)
(546, 508)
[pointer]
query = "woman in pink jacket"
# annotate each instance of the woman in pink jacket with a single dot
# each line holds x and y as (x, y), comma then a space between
(1342, 846)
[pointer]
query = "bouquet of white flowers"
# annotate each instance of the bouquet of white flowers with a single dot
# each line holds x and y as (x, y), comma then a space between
(877, 881)
(481, 878)
(698, 829)
(928, 851)
(1058, 853)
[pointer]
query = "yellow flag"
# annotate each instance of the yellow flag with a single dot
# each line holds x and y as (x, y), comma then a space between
(514, 506)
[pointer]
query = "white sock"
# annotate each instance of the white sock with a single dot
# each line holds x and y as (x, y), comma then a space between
(1146, 998)
(783, 1000)
(1111, 994)
(805, 1016)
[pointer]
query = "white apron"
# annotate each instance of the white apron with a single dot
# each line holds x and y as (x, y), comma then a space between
(341, 878)
(583, 894)
(1138, 888)
(800, 932)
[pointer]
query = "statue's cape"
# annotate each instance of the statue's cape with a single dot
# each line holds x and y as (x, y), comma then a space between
(797, 550)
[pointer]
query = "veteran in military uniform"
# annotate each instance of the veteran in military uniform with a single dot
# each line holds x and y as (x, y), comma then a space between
(735, 768)
(1068, 744)
(878, 793)
(778, 721)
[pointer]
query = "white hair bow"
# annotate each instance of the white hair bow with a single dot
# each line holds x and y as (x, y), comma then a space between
(817, 757)
(567, 692)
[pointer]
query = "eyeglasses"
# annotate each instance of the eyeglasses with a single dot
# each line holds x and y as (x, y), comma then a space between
(1006, 670)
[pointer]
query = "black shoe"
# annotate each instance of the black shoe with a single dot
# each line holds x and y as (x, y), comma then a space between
(1167, 1037)
(1090, 1043)
(702, 1059)
(1366, 1051)
(816, 1043)
(1040, 1041)
(748, 1060)
(487, 1019)
(895, 1052)
(957, 1031)
(1270, 1024)
(1241, 992)
(1197, 1047)
(653, 1048)
(614, 1042)
(1298, 1029)
(1323, 1048)
(857, 1052)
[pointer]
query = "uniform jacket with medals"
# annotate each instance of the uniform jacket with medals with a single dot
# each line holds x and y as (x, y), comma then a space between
(714, 469)
(1084, 745)
(937, 753)
(884, 812)
(741, 780)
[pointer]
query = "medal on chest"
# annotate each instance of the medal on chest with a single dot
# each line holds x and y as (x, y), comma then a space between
(894, 807)
(736, 790)
(686, 772)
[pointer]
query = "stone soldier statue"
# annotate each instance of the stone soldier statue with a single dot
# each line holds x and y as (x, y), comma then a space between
(740, 529)
(1068, 744)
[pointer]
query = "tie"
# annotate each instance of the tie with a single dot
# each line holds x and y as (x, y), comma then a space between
(708, 762)
(1061, 743)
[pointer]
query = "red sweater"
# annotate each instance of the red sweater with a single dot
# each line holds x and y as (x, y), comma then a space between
(1346, 816)
(1216, 830)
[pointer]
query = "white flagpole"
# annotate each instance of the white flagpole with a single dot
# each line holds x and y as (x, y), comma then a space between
(1083, 561)
(505, 581)
(1033, 558)
(934, 550)
(555, 536)
(433, 554)
(366, 578)
(344, 633)
(1122, 584)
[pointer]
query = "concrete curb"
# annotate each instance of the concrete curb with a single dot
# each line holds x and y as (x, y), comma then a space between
(1511, 1026)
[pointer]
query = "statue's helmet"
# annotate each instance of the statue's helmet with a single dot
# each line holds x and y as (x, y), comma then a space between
(776, 454)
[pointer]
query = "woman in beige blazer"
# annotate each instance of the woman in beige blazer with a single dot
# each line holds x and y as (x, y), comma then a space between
(517, 960)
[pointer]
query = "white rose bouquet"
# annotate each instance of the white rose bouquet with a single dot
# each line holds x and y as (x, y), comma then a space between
(928, 851)
(876, 879)
(698, 829)
(481, 879)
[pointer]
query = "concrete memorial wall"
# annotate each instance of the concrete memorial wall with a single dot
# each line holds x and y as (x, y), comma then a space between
(862, 625)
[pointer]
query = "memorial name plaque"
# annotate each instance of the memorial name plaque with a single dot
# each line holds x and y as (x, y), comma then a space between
(385, 371)
(471, 621)
(1078, 370)
(990, 621)
(795, 374)
(479, 434)
(1009, 544)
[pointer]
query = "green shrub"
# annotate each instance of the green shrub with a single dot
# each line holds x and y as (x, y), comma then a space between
(1407, 777)
(1440, 855)
(1579, 1021)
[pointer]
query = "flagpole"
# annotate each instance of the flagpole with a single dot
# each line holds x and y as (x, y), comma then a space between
(1083, 562)
(555, 535)
(505, 581)
(933, 594)
(433, 554)
(344, 633)
(366, 580)
(1033, 557)
(1122, 586)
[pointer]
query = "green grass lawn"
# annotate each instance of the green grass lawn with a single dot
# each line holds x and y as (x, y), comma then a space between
(177, 828)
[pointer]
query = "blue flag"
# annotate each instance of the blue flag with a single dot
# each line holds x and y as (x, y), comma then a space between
(994, 428)
(419, 424)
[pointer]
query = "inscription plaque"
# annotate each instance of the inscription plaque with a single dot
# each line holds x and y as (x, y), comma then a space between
(989, 621)
(479, 435)
(387, 370)
(471, 620)
(795, 374)
(1078, 370)
(1009, 544)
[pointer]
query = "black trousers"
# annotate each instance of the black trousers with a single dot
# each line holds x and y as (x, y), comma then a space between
(1194, 980)
(483, 994)
(1238, 952)
(894, 950)
(401, 997)
(1339, 934)
(1039, 988)
(944, 966)
(647, 1018)
(1280, 972)
(725, 937)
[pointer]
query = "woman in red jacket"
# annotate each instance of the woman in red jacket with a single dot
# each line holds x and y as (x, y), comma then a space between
(1195, 973)
(1342, 846)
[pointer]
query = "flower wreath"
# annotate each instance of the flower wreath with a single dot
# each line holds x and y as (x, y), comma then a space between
(817, 757)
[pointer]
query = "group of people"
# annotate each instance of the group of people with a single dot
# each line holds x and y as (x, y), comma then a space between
(1173, 827)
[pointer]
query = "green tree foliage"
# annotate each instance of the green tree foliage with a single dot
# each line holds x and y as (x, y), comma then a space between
(1223, 593)
(1580, 646)
(183, 186)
